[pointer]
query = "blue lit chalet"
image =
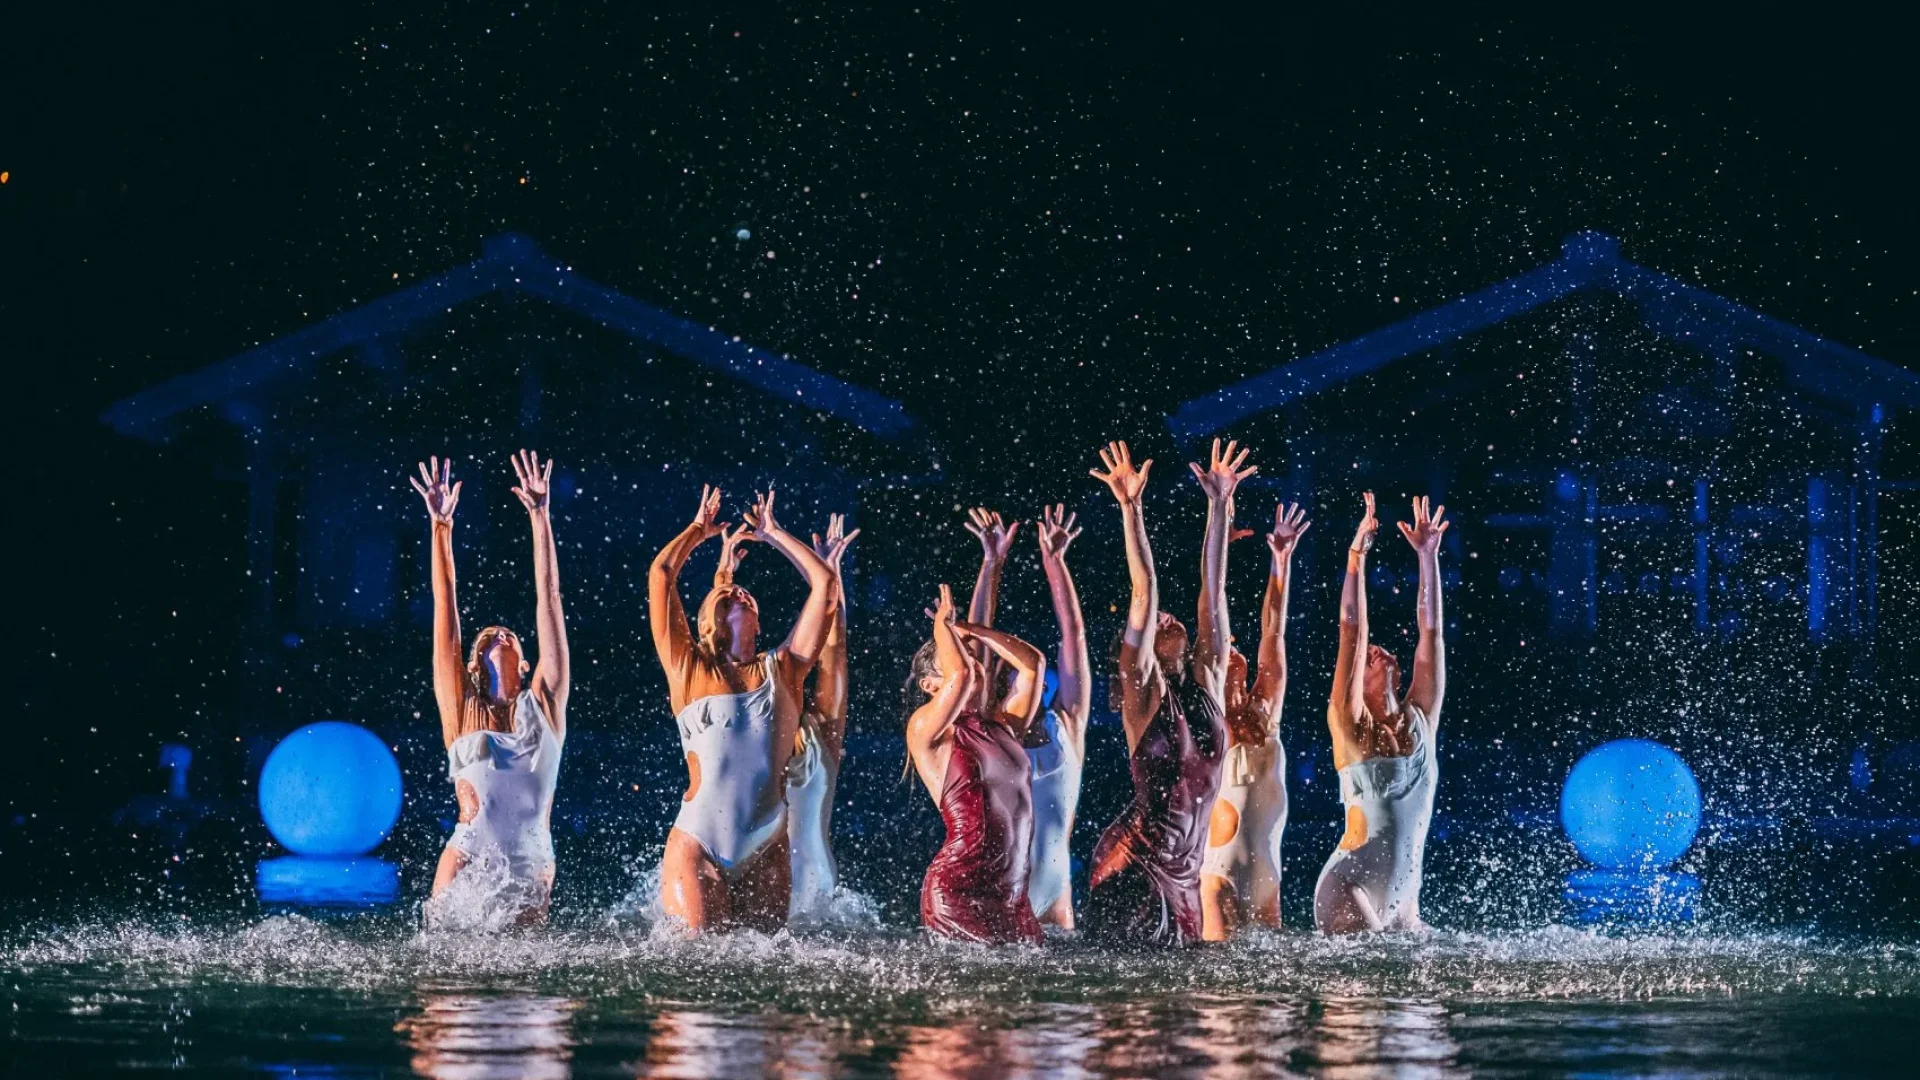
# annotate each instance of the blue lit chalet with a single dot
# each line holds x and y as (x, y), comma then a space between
(1626, 449)
(637, 405)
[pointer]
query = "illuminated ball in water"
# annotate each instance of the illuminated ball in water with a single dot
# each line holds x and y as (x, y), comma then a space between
(330, 789)
(1630, 804)
(743, 233)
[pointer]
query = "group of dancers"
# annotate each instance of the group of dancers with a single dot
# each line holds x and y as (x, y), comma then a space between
(1194, 857)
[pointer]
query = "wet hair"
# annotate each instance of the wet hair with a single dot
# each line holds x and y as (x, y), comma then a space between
(1120, 640)
(925, 665)
(482, 644)
(706, 625)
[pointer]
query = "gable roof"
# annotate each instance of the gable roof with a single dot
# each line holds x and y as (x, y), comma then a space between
(510, 262)
(1588, 261)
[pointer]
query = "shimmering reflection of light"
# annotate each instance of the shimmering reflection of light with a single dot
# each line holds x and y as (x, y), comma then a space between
(1054, 1046)
(1355, 1037)
(458, 1037)
(697, 1043)
(1196, 1036)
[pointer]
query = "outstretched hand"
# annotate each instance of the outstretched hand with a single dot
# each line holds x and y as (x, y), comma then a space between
(535, 480)
(1425, 532)
(436, 485)
(1369, 525)
(1289, 525)
(708, 516)
(834, 547)
(1121, 478)
(1057, 532)
(733, 549)
(942, 610)
(1223, 473)
(996, 536)
(761, 516)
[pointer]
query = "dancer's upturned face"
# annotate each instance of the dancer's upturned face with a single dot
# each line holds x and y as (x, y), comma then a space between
(500, 663)
(739, 619)
(1382, 685)
(1170, 645)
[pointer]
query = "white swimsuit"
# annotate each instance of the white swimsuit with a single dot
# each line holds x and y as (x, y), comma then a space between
(810, 783)
(1253, 781)
(739, 805)
(1396, 796)
(1056, 795)
(513, 774)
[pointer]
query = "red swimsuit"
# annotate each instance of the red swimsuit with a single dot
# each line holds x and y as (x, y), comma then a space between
(1146, 868)
(976, 889)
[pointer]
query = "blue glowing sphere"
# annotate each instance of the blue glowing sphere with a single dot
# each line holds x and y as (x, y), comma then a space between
(330, 789)
(1630, 804)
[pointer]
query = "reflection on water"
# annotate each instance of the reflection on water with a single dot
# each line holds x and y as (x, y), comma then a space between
(458, 1037)
(309, 996)
(1356, 1038)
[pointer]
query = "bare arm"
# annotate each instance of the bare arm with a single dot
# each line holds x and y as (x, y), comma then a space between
(1219, 479)
(830, 675)
(809, 634)
(1029, 666)
(1350, 668)
(931, 723)
(666, 616)
(436, 486)
(1429, 687)
(1270, 683)
(996, 540)
(1137, 663)
(553, 675)
(1072, 698)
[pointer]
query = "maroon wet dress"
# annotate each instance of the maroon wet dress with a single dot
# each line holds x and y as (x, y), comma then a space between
(976, 889)
(1146, 868)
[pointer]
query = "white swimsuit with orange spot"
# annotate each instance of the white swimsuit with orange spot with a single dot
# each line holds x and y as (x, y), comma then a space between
(739, 805)
(1253, 783)
(1395, 795)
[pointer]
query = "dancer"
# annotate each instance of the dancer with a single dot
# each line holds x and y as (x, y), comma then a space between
(813, 772)
(738, 711)
(1057, 745)
(1240, 875)
(966, 748)
(503, 731)
(1383, 746)
(1146, 868)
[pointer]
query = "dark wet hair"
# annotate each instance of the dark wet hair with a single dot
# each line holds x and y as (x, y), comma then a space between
(1120, 640)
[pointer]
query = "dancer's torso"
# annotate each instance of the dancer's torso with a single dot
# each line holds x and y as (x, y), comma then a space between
(976, 888)
(737, 747)
(511, 775)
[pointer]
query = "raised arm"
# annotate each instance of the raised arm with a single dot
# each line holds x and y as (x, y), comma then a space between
(553, 675)
(1349, 669)
(830, 674)
(1072, 697)
(1219, 479)
(1128, 484)
(996, 540)
(1270, 682)
(437, 487)
(733, 552)
(931, 723)
(1029, 666)
(809, 634)
(1430, 656)
(672, 637)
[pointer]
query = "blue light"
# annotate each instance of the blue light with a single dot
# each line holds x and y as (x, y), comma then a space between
(1631, 804)
(305, 881)
(330, 789)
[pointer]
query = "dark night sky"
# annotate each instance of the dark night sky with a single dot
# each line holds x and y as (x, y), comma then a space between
(1106, 212)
